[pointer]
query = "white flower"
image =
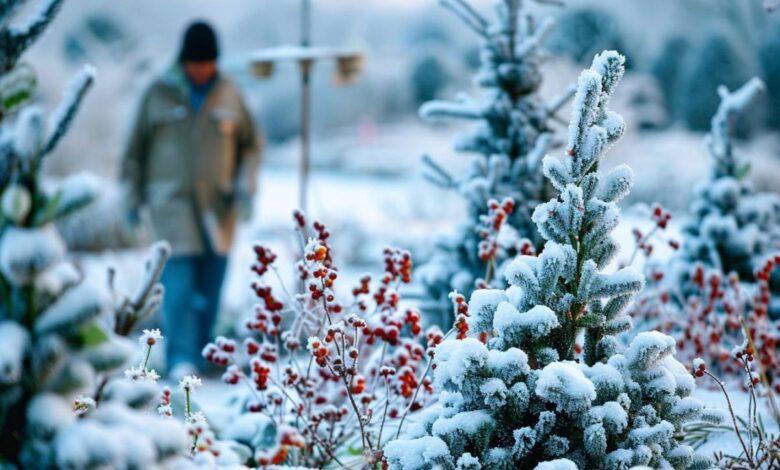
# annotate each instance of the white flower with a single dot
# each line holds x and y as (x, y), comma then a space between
(190, 383)
(141, 374)
(150, 337)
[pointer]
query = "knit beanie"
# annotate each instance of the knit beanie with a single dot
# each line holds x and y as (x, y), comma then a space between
(199, 43)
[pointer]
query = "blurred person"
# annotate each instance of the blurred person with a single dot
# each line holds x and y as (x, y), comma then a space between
(190, 170)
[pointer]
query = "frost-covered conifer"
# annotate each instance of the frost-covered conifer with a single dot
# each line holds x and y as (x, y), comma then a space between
(513, 131)
(61, 334)
(731, 228)
(526, 397)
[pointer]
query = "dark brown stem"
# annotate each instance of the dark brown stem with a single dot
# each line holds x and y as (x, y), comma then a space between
(733, 417)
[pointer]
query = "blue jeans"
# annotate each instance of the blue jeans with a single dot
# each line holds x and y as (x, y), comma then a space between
(192, 289)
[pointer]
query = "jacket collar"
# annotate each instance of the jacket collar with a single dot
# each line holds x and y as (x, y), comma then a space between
(175, 78)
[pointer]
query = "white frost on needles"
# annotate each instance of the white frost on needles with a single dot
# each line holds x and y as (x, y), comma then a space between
(564, 384)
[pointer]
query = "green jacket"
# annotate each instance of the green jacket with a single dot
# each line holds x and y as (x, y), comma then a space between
(189, 170)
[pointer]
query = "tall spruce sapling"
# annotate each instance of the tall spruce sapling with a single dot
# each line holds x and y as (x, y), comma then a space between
(62, 335)
(524, 395)
(731, 228)
(513, 130)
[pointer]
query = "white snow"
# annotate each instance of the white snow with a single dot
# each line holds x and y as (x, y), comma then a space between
(559, 464)
(417, 454)
(564, 384)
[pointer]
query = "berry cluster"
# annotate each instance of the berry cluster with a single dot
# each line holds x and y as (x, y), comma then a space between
(363, 365)
(490, 225)
(644, 240)
(711, 315)
(461, 310)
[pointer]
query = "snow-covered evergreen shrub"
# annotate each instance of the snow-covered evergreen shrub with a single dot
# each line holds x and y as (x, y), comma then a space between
(720, 59)
(731, 228)
(61, 334)
(513, 131)
(528, 398)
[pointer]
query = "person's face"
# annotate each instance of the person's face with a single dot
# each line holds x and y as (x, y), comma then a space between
(200, 72)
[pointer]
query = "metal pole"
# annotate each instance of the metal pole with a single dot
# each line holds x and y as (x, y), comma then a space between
(306, 65)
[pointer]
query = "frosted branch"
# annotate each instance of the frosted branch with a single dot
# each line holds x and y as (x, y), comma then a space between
(719, 138)
(148, 296)
(62, 117)
(8, 8)
(437, 174)
(449, 109)
(19, 37)
(532, 43)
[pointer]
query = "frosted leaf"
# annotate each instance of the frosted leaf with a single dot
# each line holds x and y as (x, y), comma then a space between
(468, 462)
(416, 454)
(83, 302)
(47, 413)
(651, 434)
(558, 464)
(537, 322)
(682, 376)
(648, 349)
(610, 65)
(508, 365)
(26, 252)
(62, 116)
(520, 273)
(494, 392)
(29, 132)
(482, 307)
(465, 423)
(595, 440)
(525, 440)
(626, 281)
(607, 380)
(457, 359)
(585, 102)
(87, 444)
(617, 183)
(16, 203)
(56, 279)
(109, 355)
(75, 192)
(16, 341)
(564, 384)
(556, 172)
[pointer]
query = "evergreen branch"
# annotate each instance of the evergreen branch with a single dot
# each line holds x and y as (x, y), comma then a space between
(20, 37)
(8, 8)
(533, 42)
(440, 176)
(62, 117)
(719, 138)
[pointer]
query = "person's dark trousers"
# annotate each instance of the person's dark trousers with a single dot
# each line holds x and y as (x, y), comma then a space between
(192, 290)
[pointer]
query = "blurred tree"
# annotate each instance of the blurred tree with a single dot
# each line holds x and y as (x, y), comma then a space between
(513, 130)
(583, 32)
(429, 77)
(769, 54)
(718, 60)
